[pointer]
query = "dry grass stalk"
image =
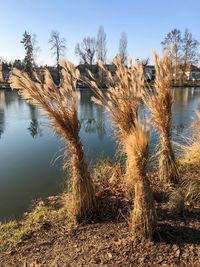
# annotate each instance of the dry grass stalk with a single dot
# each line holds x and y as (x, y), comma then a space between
(60, 106)
(191, 151)
(143, 216)
(159, 102)
(121, 99)
(188, 191)
(191, 187)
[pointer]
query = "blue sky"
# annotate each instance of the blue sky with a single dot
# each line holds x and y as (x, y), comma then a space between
(146, 23)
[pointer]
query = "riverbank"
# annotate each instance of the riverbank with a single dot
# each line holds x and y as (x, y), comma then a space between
(47, 237)
(4, 85)
(187, 84)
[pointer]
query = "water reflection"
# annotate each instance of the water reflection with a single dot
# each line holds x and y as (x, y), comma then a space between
(2, 116)
(185, 103)
(34, 128)
(92, 116)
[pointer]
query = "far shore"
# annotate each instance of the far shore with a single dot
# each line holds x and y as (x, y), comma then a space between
(6, 85)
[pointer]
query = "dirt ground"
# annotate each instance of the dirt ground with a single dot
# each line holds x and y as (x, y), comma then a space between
(105, 239)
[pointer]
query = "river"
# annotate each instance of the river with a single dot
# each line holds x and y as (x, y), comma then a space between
(29, 167)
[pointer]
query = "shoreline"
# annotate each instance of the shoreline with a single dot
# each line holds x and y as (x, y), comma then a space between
(46, 236)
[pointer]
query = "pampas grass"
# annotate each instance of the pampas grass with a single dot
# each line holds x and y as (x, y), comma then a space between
(121, 100)
(188, 191)
(122, 97)
(159, 101)
(60, 106)
(191, 152)
(143, 216)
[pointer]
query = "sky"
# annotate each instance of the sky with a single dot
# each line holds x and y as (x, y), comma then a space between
(146, 23)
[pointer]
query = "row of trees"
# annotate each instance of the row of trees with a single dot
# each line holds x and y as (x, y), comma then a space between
(89, 50)
(92, 49)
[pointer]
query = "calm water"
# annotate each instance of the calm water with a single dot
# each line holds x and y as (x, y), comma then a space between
(28, 148)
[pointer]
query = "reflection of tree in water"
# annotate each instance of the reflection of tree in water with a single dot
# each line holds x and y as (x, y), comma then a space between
(183, 97)
(2, 122)
(94, 126)
(100, 122)
(91, 115)
(34, 127)
(2, 116)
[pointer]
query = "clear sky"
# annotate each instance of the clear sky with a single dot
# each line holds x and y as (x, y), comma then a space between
(146, 23)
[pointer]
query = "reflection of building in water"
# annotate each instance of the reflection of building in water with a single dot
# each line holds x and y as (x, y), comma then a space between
(34, 127)
(192, 91)
(8, 98)
(92, 116)
(182, 95)
(185, 96)
(2, 99)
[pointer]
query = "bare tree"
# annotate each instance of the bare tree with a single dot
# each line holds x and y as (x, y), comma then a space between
(189, 50)
(101, 45)
(144, 62)
(86, 50)
(174, 37)
(58, 45)
(185, 51)
(123, 47)
(36, 48)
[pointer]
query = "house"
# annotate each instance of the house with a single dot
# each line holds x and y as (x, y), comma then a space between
(192, 72)
(4, 72)
(53, 71)
(150, 72)
(1, 74)
(94, 69)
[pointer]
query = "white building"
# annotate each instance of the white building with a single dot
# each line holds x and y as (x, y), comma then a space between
(192, 72)
(149, 72)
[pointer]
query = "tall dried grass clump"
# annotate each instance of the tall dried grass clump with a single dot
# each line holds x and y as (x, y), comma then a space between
(159, 101)
(188, 191)
(191, 152)
(121, 100)
(60, 106)
(143, 216)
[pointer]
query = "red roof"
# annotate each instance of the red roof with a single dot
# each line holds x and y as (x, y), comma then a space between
(191, 67)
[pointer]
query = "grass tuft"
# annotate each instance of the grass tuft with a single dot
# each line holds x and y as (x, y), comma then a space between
(159, 101)
(60, 106)
(121, 100)
(143, 215)
(188, 191)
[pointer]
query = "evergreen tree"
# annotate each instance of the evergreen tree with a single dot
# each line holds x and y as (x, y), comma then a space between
(28, 60)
